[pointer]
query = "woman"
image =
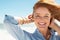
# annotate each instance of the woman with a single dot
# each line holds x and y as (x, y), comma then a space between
(43, 16)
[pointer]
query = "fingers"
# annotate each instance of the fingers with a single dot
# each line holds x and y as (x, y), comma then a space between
(30, 16)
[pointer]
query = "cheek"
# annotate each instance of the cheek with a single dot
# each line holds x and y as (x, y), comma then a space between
(36, 21)
(47, 21)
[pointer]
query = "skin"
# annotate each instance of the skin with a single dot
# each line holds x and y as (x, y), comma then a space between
(42, 18)
(22, 21)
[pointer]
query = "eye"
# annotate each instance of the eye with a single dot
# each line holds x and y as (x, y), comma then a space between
(37, 16)
(46, 16)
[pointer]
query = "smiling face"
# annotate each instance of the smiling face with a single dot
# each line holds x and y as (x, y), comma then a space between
(42, 17)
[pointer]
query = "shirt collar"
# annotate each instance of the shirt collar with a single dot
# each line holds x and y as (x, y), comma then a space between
(40, 34)
(51, 31)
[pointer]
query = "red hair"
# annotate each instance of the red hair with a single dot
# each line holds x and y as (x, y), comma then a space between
(55, 11)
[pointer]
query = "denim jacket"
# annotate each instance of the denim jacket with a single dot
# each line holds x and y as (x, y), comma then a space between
(13, 28)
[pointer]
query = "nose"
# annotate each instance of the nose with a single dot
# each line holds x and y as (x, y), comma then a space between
(41, 19)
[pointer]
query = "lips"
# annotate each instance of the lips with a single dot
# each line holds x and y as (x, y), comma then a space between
(42, 24)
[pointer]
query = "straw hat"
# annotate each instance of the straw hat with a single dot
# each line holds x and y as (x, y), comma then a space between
(56, 9)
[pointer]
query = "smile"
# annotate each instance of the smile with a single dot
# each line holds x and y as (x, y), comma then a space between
(42, 24)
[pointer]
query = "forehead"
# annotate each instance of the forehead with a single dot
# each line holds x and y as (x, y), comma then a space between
(42, 10)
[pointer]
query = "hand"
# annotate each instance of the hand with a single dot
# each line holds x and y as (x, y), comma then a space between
(25, 20)
(30, 17)
(54, 26)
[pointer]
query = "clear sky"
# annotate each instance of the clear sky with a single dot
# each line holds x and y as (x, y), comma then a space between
(17, 7)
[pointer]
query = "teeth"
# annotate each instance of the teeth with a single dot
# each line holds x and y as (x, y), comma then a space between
(41, 23)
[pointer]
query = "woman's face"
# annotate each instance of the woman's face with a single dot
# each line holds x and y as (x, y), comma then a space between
(42, 17)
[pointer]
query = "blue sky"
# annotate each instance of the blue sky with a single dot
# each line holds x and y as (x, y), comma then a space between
(17, 7)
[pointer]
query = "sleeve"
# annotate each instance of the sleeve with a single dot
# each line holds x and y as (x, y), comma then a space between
(13, 28)
(57, 37)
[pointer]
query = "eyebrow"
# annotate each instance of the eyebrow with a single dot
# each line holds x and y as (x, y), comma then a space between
(37, 13)
(46, 14)
(40, 13)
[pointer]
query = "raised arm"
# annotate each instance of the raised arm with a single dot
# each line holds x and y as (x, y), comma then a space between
(54, 25)
(13, 28)
(25, 20)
